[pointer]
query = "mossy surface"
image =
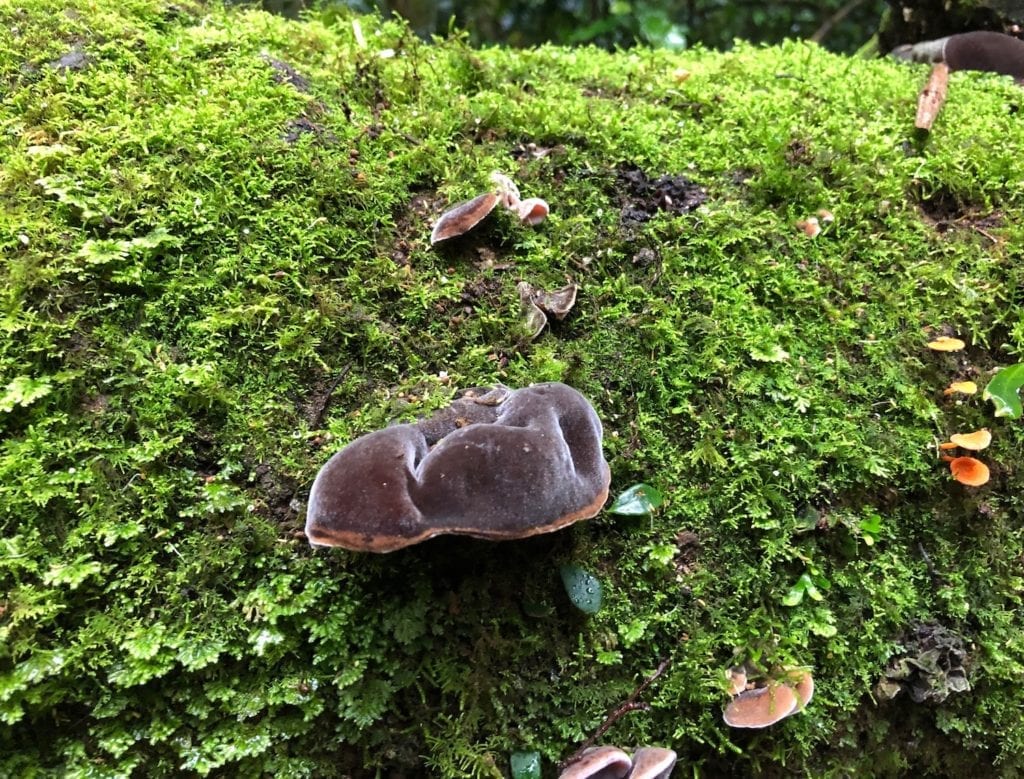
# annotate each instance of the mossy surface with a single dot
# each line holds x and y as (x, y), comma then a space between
(216, 272)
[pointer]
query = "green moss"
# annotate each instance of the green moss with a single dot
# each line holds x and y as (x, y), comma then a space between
(216, 272)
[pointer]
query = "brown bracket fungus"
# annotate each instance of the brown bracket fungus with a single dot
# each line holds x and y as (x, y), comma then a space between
(980, 50)
(761, 706)
(496, 464)
(599, 763)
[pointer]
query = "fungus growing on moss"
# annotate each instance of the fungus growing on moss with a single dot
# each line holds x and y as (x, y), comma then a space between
(532, 211)
(962, 387)
(969, 471)
(464, 217)
(496, 464)
(652, 763)
(975, 441)
(761, 706)
(599, 763)
(945, 343)
(994, 52)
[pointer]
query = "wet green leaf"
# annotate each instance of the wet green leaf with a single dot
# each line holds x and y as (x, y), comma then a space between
(638, 500)
(583, 588)
(1003, 391)
(525, 765)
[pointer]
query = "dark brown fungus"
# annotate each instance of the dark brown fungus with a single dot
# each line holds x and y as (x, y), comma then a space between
(599, 763)
(980, 50)
(496, 464)
(463, 217)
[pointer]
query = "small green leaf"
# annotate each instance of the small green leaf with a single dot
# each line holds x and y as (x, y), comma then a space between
(638, 500)
(525, 765)
(23, 391)
(794, 597)
(583, 588)
(1003, 391)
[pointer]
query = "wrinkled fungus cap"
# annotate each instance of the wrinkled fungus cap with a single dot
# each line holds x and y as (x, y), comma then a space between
(599, 763)
(761, 707)
(652, 763)
(969, 471)
(464, 217)
(496, 464)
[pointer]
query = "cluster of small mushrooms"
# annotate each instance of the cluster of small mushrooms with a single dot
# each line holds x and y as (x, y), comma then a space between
(613, 763)
(463, 217)
(763, 704)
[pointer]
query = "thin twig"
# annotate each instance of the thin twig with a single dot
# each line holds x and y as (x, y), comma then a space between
(826, 26)
(632, 703)
(319, 416)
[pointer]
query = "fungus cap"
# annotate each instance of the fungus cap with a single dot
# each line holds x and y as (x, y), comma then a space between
(463, 217)
(761, 707)
(963, 387)
(969, 471)
(599, 763)
(652, 763)
(532, 211)
(496, 464)
(975, 441)
(995, 52)
(945, 343)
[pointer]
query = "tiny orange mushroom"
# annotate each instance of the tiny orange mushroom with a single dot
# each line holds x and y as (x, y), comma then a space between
(945, 343)
(963, 387)
(975, 441)
(969, 471)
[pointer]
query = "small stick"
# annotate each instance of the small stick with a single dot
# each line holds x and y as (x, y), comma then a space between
(630, 704)
(318, 418)
(930, 101)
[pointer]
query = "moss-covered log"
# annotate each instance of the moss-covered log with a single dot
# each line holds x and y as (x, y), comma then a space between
(216, 271)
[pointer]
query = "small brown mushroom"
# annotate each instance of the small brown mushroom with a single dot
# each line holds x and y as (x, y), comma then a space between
(652, 763)
(761, 707)
(737, 678)
(599, 763)
(464, 217)
(497, 464)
